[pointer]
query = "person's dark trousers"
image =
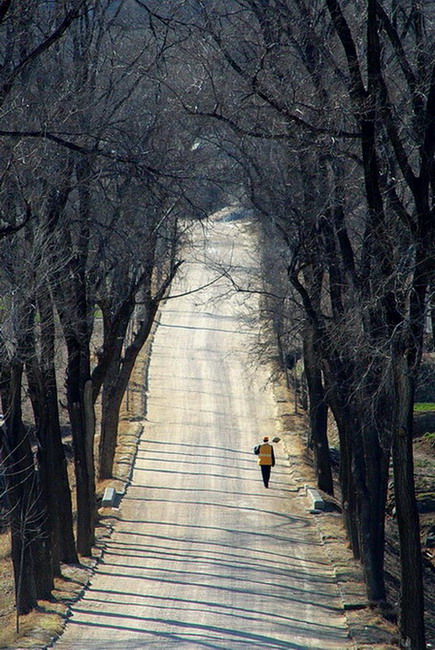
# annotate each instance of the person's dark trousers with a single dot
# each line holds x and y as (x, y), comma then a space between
(265, 472)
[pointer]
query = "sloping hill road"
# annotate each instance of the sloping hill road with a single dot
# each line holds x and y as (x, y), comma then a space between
(204, 556)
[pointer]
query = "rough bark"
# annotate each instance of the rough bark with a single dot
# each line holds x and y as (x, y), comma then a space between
(74, 306)
(20, 479)
(318, 414)
(114, 389)
(51, 456)
(73, 315)
(411, 622)
(85, 480)
(371, 473)
(112, 396)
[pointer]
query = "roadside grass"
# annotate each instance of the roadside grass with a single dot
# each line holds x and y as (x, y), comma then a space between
(424, 407)
(46, 622)
(33, 628)
(7, 607)
(430, 437)
(39, 627)
(36, 628)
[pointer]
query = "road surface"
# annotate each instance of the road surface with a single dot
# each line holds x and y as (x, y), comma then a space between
(204, 556)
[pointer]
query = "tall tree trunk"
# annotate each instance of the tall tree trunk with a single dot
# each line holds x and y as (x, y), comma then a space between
(113, 393)
(51, 455)
(411, 597)
(406, 356)
(64, 549)
(114, 390)
(318, 413)
(74, 307)
(432, 312)
(371, 474)
(78, 408)
(36, 484)
(338, 400)
(363, 467)
(106, 375)
(20, 481)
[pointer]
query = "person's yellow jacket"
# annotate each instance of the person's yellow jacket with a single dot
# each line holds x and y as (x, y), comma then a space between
(265, 454)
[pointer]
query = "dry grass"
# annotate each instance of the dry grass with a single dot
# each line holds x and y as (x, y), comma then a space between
(39, 627)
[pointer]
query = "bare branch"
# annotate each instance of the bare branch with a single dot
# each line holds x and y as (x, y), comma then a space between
(42, 47)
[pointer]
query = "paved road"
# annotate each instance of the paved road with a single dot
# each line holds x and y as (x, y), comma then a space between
(205, 556)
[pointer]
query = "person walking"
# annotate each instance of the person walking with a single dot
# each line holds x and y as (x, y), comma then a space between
(266, 459)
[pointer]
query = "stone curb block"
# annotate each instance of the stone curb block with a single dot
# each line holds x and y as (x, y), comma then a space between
(316, 501)
(109, 497)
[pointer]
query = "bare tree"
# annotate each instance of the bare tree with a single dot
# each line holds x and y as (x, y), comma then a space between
(324, 84)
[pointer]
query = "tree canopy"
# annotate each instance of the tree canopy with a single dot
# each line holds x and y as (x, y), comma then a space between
(122, 121)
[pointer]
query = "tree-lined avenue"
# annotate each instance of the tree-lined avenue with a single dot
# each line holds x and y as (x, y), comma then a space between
(203, 555)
